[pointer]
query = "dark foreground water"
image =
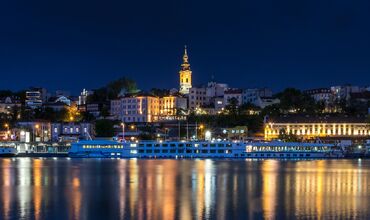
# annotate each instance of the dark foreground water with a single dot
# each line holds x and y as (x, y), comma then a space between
(183, 189)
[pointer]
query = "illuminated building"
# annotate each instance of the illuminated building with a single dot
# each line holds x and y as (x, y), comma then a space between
(147, 108)
(169, 107)
(140, 109)
(185, 74)
(317, 127)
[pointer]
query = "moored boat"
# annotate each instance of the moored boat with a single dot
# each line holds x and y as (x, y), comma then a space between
(8, 151)
(203, 149)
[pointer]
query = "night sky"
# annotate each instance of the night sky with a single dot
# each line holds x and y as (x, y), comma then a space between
(72, 45)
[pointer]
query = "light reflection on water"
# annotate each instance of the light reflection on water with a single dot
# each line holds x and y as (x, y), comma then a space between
(183, 189)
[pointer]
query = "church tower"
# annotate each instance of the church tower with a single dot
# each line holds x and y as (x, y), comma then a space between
(185, 74)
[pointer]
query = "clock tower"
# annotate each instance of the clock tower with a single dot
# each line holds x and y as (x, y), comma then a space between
(185, 74)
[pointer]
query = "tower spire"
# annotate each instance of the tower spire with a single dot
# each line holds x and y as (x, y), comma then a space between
(185, 58)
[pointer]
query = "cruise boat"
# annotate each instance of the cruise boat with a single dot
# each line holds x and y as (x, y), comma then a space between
(8, 151)
(203, 149)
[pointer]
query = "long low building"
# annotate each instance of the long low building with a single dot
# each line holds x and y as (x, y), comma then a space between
(310, 127)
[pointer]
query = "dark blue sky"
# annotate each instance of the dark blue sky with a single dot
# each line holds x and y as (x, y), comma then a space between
(84, 44)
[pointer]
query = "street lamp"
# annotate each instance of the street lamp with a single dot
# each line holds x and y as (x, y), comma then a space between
(123, 131)
(201, 127)
(37, 126)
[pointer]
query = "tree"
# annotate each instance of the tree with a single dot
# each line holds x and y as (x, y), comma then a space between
(247, 108)
(232, 107)
(294, 101)
(104, 128)
(112, 90)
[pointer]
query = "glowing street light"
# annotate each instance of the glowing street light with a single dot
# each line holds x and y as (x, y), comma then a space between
(123, 131)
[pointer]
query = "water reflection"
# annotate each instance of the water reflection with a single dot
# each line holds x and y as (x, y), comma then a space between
(183, 189)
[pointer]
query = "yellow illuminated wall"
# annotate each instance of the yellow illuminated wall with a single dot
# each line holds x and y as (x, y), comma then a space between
(310, 130)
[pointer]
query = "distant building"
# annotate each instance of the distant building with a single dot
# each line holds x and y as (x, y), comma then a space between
(215, 89)
(321, 94)
(58, 103)
(56, 106)
(233, 94)
(8, 103)
(197, 97)
(343, 92)
(82, 98)
(35, 97)
(311, 127)
(263, 102)
(258, 97)
(97, 108)
(236, 133)
(72, 131)
(38, 130)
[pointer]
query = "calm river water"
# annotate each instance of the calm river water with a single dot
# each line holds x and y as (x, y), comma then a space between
(65, 188)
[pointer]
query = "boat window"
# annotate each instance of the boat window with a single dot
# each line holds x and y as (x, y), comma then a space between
(149, 151)
(204, 145)
(181, 145)
(212, 151)
(220, 151)
(156, 151)
(164, 151)
(212, 145)
(173, 145)
(156, 145)
(188, 151)
(221, 145)
(172, 151)
(204, 151)
(188, 145)
(148, 145)
(141, 145)
(164, 145)
(181, 151)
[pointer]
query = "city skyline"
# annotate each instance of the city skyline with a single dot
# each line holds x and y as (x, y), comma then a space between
(65, 46)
